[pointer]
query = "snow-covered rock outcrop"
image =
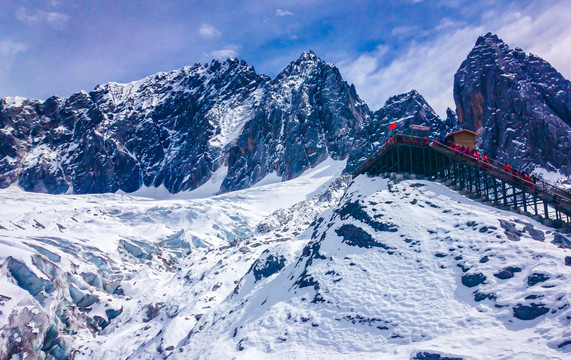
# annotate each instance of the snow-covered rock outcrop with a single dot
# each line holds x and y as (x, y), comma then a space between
(519, 104)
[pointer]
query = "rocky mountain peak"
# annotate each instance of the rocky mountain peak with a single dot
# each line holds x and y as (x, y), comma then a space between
(407, 109)
(518, 103)
(309, 56)
(411, 96)
(489, 39)
(308, 64)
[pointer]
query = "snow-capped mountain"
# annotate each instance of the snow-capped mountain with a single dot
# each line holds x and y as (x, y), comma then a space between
(401, 270)
(307, 115)
(178, 129)
(296, 258)
(518, 103)
(169, 129)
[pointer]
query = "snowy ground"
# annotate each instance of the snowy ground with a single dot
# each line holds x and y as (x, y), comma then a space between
(382, 273)
(153, 251)
(401, 269)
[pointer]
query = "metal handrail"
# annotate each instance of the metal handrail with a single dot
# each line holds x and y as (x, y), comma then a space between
(491, 164)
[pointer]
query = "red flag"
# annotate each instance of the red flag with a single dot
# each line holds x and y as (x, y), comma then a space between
(393, 126)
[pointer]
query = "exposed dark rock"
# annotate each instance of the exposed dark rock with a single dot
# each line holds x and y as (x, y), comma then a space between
(152, 311)
(267, 265)
(529, 312)
(471, 280)
(507, 273)
(425, 355)
(510, 230)
(535, 234)
(561, 241)
(518, 103)
(356, 211)
(478, 296)
(355, 236)
(568, 260)
(536, 278)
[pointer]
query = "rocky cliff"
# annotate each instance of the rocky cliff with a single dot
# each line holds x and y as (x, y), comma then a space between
(519, 103)
(176, 129)
(170, 128)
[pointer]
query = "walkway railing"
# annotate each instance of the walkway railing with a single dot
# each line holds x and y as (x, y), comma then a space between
(440, 160)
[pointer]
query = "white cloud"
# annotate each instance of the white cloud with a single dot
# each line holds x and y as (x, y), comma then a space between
(224, 54)
(57, 20)
(54, 19)
(209, 31)
(280, 12)
(429, 67)
(10, 48)
(403, 30)
(546, 35)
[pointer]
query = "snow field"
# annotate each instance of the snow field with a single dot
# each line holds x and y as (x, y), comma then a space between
(407, 295)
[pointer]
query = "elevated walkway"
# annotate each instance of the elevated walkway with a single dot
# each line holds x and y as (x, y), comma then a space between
(486, 181)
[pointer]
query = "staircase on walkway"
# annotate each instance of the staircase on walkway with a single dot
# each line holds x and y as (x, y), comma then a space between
(487, 181)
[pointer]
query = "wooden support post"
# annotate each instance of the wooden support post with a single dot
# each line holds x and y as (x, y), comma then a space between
(398, 158)
(545, 210)
(535, 202)
(495, 190)
(410, 159)
(524, 198)
(430, 167)
(424, 161)
(478, 181)
(504, 193)
(470, 179)
(515, 197)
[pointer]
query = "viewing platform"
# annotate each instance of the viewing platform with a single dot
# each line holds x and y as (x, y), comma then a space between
(486, 181)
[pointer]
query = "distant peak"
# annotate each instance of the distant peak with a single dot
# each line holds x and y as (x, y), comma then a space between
(489, 39)
(309, 55)
(404, 96)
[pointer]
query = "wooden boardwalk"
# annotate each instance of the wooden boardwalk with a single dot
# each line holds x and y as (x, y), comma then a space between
(487, 181)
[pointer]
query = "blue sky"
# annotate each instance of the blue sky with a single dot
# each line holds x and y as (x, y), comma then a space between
(56, 47)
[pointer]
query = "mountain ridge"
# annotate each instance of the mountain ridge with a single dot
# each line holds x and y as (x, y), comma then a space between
(176, 129)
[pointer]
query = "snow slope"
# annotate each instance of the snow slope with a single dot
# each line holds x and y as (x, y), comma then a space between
(399, 271)
(73, 265)
(315, 267)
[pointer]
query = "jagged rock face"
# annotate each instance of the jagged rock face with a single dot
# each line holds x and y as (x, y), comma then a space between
(170, 128)
(519, 104)
(307, 114)
(451, 122)
(175, 129)
(405, 109)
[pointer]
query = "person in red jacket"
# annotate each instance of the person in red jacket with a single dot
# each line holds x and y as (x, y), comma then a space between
(485, 163)
(525, 177)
